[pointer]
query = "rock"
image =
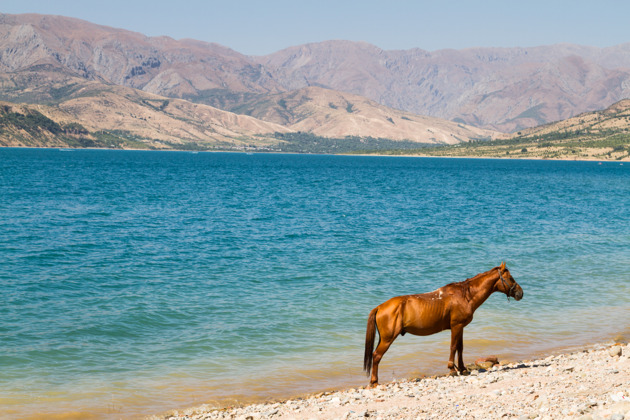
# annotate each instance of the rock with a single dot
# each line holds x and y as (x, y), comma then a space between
(615, 351)
(485, 365)
(491, 359)
(472, 366)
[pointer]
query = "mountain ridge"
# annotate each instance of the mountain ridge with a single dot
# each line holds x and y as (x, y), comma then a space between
(43, 64)
(503, 89)
(332, 89)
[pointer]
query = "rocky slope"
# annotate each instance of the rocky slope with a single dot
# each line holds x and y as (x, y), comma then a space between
(158, 65)
(505, 89)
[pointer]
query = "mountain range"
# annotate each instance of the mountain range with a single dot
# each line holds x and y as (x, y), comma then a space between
(504, 89)
(186, 90)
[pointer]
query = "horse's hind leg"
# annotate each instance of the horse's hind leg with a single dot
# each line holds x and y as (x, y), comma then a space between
(387, 335)
(382, 347)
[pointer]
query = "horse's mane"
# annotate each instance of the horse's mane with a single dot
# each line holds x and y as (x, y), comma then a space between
(465, 284)
(479, 275)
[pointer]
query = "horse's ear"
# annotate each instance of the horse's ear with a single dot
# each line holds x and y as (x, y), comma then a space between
(503, 266)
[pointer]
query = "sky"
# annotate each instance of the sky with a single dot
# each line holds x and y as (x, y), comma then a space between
(256, 27)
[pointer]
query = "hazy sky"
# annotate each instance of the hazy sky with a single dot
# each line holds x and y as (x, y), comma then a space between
(262, 27)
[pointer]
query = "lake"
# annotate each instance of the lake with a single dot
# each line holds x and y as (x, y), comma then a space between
(135, 282)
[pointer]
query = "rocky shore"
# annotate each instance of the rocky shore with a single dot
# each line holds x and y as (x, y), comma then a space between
(588, 384)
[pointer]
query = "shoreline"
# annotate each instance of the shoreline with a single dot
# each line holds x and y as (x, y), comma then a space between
(590, 383)
(502, 157)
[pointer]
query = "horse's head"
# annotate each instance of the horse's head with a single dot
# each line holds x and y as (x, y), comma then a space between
(507, 284)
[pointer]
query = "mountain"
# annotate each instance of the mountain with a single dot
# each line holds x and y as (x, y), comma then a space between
(158, 65)
(135, 119)
(598, 135)
(330, 113)
(613, 120)
(505, 89)
(502, 89)
(116, 116)
(110, 79)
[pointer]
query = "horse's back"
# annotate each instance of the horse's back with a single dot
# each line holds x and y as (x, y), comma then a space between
(420, 314)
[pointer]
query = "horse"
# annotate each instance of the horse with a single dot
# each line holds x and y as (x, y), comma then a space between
(449, 307)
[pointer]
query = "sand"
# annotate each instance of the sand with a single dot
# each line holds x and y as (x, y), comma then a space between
(593, 383)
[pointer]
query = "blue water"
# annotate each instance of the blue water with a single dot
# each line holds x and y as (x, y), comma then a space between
(137, 282)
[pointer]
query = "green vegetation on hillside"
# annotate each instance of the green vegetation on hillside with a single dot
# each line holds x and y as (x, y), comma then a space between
(32, 128)
(301, 142)
(32, 122)
(595, 135)
(555, 145)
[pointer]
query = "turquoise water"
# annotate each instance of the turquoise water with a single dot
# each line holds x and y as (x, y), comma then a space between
(137, 282)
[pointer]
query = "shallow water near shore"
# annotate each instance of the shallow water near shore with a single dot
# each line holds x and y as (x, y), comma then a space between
(137, 282)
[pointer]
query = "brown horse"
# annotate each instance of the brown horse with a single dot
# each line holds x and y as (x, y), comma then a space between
(449, 307)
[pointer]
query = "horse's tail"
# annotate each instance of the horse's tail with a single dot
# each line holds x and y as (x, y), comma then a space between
(370, 335)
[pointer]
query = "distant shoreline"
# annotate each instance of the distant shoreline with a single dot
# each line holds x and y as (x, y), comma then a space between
(582, 159)
(502, 157)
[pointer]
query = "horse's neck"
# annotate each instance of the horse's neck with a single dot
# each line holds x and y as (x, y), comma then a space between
(481, 287)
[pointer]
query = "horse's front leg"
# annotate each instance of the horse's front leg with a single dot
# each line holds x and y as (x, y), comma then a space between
(460, 352)
(457, 346)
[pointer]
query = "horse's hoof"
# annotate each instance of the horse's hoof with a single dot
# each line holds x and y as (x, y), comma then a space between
(452, 373)
(464, 372)
(372, 385)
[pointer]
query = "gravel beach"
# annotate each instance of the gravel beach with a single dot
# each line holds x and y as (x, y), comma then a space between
(589, 384)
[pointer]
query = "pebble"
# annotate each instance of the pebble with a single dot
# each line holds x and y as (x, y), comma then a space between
(615, 351)
(588, 385)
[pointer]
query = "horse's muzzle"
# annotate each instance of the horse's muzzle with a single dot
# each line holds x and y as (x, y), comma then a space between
(518, 294)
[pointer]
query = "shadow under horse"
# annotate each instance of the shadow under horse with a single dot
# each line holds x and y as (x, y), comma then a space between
(449, 307)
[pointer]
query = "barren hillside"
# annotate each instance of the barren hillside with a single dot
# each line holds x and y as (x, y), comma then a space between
(329, 113)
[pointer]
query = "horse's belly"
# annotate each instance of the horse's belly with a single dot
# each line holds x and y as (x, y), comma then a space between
(426, 317)
(424, 331)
